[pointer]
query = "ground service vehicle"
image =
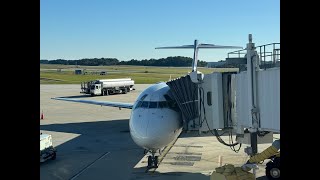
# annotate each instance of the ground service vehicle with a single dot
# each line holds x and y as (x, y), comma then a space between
(47, 151)
(105, 87)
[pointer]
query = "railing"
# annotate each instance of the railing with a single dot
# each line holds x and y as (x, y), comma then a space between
(265, 53)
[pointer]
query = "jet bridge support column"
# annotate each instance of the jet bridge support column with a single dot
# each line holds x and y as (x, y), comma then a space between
(254, 142)
(252, 65)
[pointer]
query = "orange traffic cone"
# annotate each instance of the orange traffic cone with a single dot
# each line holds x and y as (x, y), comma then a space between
(42, 116)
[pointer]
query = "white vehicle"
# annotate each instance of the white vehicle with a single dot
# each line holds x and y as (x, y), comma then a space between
(107, 86)
(156, 119)
(47, 151)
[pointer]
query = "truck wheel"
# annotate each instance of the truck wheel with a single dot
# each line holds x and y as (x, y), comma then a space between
(102, 93)
(124, 91)
(54, 156)
(273, 173)
(273, 169)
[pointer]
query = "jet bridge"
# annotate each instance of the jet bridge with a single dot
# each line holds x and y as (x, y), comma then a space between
(245, 103)
(207, 105)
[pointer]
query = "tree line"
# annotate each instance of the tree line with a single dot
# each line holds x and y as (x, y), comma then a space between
(176, 61)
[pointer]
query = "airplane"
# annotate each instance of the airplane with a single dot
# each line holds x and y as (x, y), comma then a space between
(156, 119)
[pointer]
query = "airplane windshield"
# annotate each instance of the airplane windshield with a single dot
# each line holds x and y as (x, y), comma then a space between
(163, 104)
(160, 104)
(169, 103)
(153, 104)
(145, 104)
(144, 96)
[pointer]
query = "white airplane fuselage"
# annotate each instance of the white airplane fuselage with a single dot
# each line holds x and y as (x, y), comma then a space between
(155, 118)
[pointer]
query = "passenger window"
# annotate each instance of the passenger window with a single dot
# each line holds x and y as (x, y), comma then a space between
(145, 104)
(153, 104)
(97, 87)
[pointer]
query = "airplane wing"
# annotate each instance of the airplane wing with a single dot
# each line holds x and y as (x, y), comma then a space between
(102, 103)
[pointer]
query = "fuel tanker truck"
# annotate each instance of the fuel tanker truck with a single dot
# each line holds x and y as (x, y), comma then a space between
(105, 87)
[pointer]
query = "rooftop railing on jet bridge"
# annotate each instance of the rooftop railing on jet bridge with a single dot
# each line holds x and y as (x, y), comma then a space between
(269, 54)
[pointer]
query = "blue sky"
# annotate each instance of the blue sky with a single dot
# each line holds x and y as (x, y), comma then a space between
(131, 29)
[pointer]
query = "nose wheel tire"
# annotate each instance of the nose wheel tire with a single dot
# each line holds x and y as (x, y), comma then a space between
(152, 162)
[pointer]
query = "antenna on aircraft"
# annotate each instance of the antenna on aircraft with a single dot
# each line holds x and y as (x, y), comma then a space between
(196, 47)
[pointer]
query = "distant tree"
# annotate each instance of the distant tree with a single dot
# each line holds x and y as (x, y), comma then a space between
(44, 61)
(176, 61)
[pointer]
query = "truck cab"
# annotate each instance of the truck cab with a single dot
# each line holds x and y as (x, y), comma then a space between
(95, 89)
(47, 151)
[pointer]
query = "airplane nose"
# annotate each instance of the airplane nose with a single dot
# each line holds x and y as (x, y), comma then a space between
(149, 142)
(138, 127)
(146, 131)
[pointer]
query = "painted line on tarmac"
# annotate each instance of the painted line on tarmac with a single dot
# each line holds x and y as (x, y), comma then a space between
(89, 165)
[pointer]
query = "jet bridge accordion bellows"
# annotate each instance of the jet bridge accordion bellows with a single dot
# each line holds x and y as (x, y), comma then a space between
(185, 92)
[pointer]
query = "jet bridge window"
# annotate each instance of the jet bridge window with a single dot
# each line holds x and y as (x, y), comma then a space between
(209, 96)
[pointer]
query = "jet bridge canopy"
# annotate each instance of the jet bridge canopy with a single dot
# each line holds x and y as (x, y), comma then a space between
(185, 92)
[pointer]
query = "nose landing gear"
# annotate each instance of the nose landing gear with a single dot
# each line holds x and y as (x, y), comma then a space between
(152, 161)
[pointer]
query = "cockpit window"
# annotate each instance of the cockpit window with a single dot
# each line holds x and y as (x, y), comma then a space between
(153, 104)
(145, 104)
(167, 97)
(163, 104)
(171, 103)
(138, 105)
(144, 96)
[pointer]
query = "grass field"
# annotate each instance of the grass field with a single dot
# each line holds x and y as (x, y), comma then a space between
(64, 74)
